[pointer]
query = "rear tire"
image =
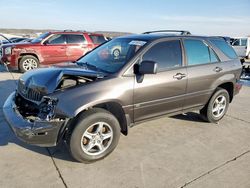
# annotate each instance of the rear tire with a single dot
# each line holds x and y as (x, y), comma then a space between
(217, 106)
(28, 62)
(95, 136)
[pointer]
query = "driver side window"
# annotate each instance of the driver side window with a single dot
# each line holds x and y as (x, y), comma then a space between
(56, 39)
(167, 54)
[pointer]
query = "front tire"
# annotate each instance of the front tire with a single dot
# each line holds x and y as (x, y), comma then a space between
(217, 106)
(95, 136)
(28, 62)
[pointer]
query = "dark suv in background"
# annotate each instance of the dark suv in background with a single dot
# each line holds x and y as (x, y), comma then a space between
(49, 48)
(104, 93)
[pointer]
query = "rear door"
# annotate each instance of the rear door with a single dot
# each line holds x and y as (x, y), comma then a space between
(203, 69)
(97, 39)
(77, 46)
(53, 49)
(163, 92)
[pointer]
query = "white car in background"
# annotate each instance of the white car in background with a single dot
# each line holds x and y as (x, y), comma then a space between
(242, 46)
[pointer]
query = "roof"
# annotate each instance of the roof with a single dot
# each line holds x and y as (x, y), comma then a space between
(73, 32)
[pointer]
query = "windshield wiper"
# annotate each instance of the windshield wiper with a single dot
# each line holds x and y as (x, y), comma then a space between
(90, 66)
(86, 64)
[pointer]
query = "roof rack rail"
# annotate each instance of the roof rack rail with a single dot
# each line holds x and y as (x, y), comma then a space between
(68, 30)
(81, 31)
(182, 32)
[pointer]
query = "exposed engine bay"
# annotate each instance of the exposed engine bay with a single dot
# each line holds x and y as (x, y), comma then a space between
(33, 103)
(71, 81)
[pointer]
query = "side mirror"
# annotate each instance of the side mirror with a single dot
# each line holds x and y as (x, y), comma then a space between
(147, 67)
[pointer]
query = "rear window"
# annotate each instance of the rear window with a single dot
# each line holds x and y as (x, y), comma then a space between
(97, 39)
(225, 48)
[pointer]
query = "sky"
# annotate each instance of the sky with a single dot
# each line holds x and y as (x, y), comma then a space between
(213, 17)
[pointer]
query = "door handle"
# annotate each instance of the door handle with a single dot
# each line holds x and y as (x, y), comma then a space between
(218, 69)
(179, 76)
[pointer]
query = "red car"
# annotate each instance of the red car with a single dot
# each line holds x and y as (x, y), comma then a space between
(49, 48)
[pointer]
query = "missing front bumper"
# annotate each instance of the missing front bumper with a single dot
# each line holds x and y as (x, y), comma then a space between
(39, 132)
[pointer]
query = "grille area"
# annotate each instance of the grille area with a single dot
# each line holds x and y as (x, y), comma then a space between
(26, 107)
(29, 93)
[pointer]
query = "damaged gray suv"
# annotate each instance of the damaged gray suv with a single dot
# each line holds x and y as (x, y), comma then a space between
(121, 83)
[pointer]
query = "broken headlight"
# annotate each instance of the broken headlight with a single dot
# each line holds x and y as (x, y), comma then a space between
(7, 51)
(47, 108)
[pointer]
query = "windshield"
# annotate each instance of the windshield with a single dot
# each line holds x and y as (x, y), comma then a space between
(111, 56)
(40, 38)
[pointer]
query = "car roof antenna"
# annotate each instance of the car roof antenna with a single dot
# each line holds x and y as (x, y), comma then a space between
(7, 69)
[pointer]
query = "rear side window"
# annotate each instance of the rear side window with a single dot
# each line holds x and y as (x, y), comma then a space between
(166, 54)
(75, 39)
(225, 48)
(97, 39)
(198, 52)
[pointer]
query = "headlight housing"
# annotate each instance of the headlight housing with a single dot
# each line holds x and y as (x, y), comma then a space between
(47, 108)
(7, 51)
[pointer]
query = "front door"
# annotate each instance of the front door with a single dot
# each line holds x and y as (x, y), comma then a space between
(54, 50)
(163, 92)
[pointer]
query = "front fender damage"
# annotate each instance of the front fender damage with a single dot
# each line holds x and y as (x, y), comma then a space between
(34, 112)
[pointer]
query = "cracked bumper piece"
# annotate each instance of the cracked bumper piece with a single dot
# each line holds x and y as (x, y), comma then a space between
(38, 132)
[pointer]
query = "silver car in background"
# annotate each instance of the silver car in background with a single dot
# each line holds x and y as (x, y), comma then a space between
(241, 46)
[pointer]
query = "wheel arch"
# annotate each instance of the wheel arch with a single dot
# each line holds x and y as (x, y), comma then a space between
(229, 86)
(26, 54)
(114, 108)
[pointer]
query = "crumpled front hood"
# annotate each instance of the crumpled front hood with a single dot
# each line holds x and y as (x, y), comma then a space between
(46, 80)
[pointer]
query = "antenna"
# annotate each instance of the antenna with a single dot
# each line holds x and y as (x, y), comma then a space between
(7, 68)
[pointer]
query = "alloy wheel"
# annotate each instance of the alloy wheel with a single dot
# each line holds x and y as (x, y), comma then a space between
(97, 138)
(219, 106)
(29, 64)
